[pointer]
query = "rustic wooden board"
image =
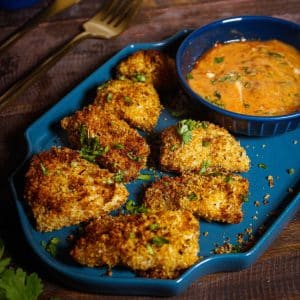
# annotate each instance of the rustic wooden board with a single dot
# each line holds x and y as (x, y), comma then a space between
(275, 276)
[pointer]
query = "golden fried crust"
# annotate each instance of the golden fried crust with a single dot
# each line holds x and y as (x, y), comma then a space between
(216, 197)
(63, 189)
(157, 67)
(158, 245)
(135, 102)
(211, 149)
(128, 151)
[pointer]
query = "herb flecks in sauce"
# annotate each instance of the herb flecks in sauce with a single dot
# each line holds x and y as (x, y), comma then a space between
(261, 78)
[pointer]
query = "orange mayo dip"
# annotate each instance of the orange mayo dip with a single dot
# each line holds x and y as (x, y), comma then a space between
(252, 77)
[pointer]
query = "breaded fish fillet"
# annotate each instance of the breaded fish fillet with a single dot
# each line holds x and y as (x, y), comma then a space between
(158, 245)
(120, 148)
(63, 189)
(193, 146)
(150, 66)
(135, 102)
(216, 197)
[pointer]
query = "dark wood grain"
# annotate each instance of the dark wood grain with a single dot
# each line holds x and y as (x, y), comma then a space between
(276, 275)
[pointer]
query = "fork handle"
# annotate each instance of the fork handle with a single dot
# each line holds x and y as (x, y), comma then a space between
(20, 86)
(55, 7)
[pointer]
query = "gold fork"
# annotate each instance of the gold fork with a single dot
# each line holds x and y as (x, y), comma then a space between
(112, 19)
(55, 7)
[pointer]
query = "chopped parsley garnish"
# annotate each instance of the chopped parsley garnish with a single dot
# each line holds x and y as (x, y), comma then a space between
(119, 176)
(154, 226)
(51, 246)
(132, 235)
(118, 146)
(43, 168)
(275, 54)
(149, 249)
(140, 77)
(189, 76)
(109, 97)
(159, 241)
(145, 177)
(218, 60)
(192, 196)
(174, 147)
(245, 198)
(133, 157)
(234, 76)
(185, 128)
(134, 208)
(90, 146)
(262, 166)
(205, 143)
(204, 167)
(128, 100)
(228, 179)
(121, 77)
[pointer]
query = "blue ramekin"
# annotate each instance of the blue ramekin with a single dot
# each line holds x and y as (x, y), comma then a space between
(234, 29)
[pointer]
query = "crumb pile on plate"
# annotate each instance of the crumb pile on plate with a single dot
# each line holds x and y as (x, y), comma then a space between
(65, 187)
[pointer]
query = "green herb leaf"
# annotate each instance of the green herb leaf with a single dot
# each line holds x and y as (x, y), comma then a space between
(17, 285)
(159, 241)
(140, 77)
(145, 177)
(154, 226)
(118, 146)
(245, 198)
(149, 249)
(192, 196)
(189, 76)
(119, 176)
(128, 100)
(133, 157)
(228, 179)
(291, 171)
(134, 208)
(109, 97)
(121, 77)
(275, 54)
(205, 143)
(132, 235)
(51, 246)
(204, 167)
(218, 60)
(185, 128)
(44, 170)
(262, 166)
(90, 146)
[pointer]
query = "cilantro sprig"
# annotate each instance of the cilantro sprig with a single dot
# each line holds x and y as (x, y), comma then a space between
(185, 128)
(134, 208)
(90, 146)
(16, 284)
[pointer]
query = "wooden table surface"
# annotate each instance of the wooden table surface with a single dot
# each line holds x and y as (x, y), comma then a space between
(276, 275)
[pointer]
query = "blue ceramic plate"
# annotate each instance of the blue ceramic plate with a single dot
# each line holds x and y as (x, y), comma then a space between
(276, 207)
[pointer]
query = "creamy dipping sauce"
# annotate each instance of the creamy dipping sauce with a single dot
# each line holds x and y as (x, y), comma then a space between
(251, 77)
